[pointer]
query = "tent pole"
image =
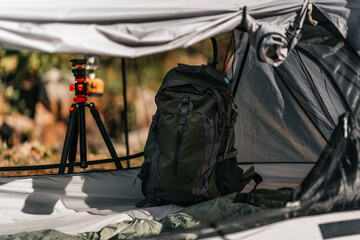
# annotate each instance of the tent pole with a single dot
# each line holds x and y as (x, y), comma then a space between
(241, 68)
(215, 52)
(123, 66)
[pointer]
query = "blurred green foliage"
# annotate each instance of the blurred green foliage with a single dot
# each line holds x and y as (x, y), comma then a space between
(21, 72)
(21, 82)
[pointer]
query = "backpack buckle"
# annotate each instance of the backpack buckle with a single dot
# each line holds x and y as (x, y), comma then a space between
(185, 105)
(185, 99)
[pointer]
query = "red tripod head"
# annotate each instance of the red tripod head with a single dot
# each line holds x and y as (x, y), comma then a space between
(80, 86)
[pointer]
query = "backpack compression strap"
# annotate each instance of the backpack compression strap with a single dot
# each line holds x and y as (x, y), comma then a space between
(249, 175)
(184, 107)
(230, 134)
(250, 197)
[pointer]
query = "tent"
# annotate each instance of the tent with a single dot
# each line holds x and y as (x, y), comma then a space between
(296, 80)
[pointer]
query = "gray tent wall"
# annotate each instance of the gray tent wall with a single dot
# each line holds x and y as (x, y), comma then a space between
(344, 15)
(271, 125)
(287, 114)
(333, 183)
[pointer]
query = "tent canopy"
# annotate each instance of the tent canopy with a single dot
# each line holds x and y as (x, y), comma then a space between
(125, 28)
(133, 29)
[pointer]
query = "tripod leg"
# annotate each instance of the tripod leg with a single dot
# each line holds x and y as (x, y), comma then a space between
(82, 136)
(73, 144)
(69, 133)
(104, 134)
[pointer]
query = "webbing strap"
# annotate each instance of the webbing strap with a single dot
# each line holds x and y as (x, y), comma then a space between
(144, 169)
(293, 33)
(249, 198)
(249, 175)
(231, 154)
(155, 159)
(184, 109)
(246, 198)
(257, 178)
(230, 134)
(228, 155)
(219, 101)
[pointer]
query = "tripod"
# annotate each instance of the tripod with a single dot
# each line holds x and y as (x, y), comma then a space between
(76, 125)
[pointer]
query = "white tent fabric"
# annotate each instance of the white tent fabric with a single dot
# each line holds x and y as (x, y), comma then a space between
(86, 202)
(72, 203)
(137, 28)
(310, 227)
(125, 28)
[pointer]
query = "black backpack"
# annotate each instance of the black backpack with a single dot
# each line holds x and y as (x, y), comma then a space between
(189, 154)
